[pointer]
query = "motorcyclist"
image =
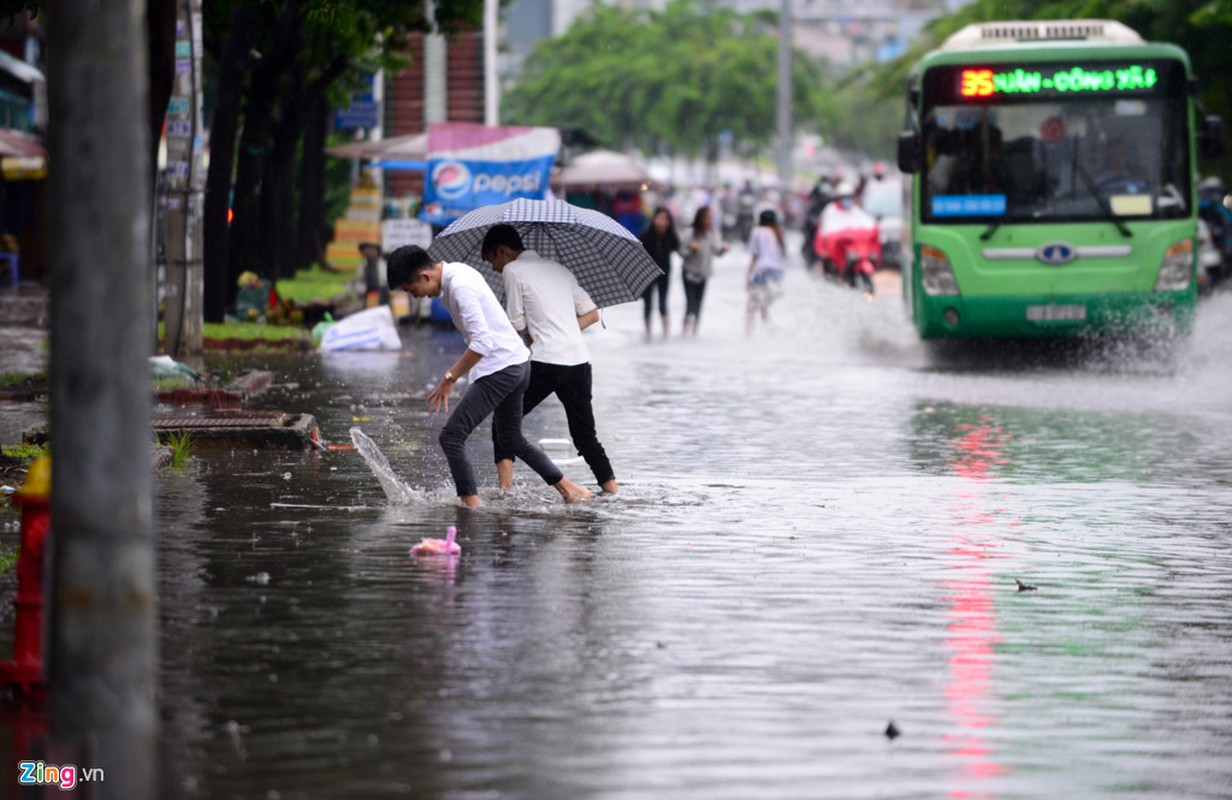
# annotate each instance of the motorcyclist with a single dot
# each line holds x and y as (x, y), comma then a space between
(1218, 217)
(845, 230)
(818, 197)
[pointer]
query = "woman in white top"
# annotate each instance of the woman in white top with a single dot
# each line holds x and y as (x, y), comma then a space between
(765, 277)
(699, 252)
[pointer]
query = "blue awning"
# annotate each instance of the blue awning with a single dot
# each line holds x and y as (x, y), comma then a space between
(400, 165)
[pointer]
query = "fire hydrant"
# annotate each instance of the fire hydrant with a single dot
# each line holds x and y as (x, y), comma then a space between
(24, 673)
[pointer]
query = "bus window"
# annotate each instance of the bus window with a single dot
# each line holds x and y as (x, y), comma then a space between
(1053, 154)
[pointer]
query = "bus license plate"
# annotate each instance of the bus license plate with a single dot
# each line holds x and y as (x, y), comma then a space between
(1054, 313)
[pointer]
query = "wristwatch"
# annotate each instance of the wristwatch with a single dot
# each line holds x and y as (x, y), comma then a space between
(449, 376)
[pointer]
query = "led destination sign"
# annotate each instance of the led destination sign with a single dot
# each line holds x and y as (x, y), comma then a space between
(1065, 80)
(1031, 81)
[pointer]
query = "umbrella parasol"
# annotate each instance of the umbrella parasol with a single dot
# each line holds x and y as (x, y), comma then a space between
(602, 167)
(412, 147)
(610, 262)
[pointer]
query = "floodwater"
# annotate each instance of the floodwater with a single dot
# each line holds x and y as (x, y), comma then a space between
(821, 530)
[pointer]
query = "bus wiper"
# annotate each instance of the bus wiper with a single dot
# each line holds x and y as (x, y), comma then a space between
(1103, 201)
(988, 232)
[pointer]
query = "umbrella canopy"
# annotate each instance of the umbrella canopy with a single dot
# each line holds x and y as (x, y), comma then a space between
(602, 167)
(610, 263)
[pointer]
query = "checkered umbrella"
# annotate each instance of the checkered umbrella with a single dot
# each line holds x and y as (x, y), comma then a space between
(610, 263)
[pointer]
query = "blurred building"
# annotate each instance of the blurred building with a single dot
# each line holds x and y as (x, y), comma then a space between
(846, 32)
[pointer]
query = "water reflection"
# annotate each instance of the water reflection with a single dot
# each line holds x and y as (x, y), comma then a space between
(1073, 445)
(818, 531)
(972, 632)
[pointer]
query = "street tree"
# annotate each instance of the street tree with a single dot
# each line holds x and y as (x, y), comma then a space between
(671, 80)
(282, 66)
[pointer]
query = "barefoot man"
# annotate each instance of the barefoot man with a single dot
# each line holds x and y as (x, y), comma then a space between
(550, 310)
(496, 359)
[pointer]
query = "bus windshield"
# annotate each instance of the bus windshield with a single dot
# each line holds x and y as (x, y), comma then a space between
(1003, 153)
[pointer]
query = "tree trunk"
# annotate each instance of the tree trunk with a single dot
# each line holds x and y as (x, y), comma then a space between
(244, 250)
(310, 245)
(219, 288)
(184, 189)
(277, 195)
(278, 200)
(161, 23)
(102, 653)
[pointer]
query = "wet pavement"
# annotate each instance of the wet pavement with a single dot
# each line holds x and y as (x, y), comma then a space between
(821, 529)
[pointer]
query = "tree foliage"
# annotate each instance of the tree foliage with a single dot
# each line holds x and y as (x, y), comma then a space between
(281, 66)
(665, 80)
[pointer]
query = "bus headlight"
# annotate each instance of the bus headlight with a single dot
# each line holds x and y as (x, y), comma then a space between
(1177, 268)
(936, 274)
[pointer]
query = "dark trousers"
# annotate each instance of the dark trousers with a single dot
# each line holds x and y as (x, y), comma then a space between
(693, 293)
(659, 284)
(499, 394)
(572, 386)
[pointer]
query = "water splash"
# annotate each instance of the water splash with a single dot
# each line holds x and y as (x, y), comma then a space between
(395, 489)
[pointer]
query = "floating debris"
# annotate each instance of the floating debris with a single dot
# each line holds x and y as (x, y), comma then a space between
(439, 547)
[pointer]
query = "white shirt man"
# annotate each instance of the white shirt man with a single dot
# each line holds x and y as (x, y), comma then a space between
(548, 307)
(544, 299)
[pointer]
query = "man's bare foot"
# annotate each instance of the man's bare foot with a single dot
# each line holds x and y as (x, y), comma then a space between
(609, 487)
(504, 474)
(469, 500)
(570, 492)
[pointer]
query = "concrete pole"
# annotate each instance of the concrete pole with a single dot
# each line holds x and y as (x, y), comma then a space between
(491, 88)
(102, 634)
(436, 75)
(184, 302)
(783, 104)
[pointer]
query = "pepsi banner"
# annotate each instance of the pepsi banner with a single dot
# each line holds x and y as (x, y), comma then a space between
(470, 166)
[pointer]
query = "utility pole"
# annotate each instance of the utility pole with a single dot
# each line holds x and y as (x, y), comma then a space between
(183, 305)
(102, 635)
(491, 87)
(783, 105)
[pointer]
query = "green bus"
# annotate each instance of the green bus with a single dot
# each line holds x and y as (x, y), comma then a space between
(1053, 186)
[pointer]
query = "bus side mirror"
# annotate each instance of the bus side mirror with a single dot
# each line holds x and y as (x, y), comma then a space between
(1213, 140)
(909, 160)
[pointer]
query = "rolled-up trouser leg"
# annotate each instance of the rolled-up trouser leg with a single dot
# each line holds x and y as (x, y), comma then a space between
(574, 391)
(476, 403)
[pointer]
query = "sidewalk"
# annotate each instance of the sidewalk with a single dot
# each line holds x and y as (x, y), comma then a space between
(24, 318)
(28, 305)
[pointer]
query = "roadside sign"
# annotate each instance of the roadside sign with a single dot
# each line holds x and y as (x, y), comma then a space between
(398, 232)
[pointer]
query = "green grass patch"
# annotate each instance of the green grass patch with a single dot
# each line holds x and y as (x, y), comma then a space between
(173, 383)
(181, 445)
(249, 331)
(314, 284)
(11, 379)
(8, 557)
(25, 451)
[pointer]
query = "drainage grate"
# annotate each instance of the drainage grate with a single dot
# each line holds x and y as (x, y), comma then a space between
(250, 428)
(246, 419)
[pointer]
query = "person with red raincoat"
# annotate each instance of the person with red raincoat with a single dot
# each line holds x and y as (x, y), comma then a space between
(847, 239)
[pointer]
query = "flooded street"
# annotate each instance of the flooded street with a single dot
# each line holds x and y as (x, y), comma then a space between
(821, 529)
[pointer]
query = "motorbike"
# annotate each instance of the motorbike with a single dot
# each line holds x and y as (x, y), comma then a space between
(849, 248)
